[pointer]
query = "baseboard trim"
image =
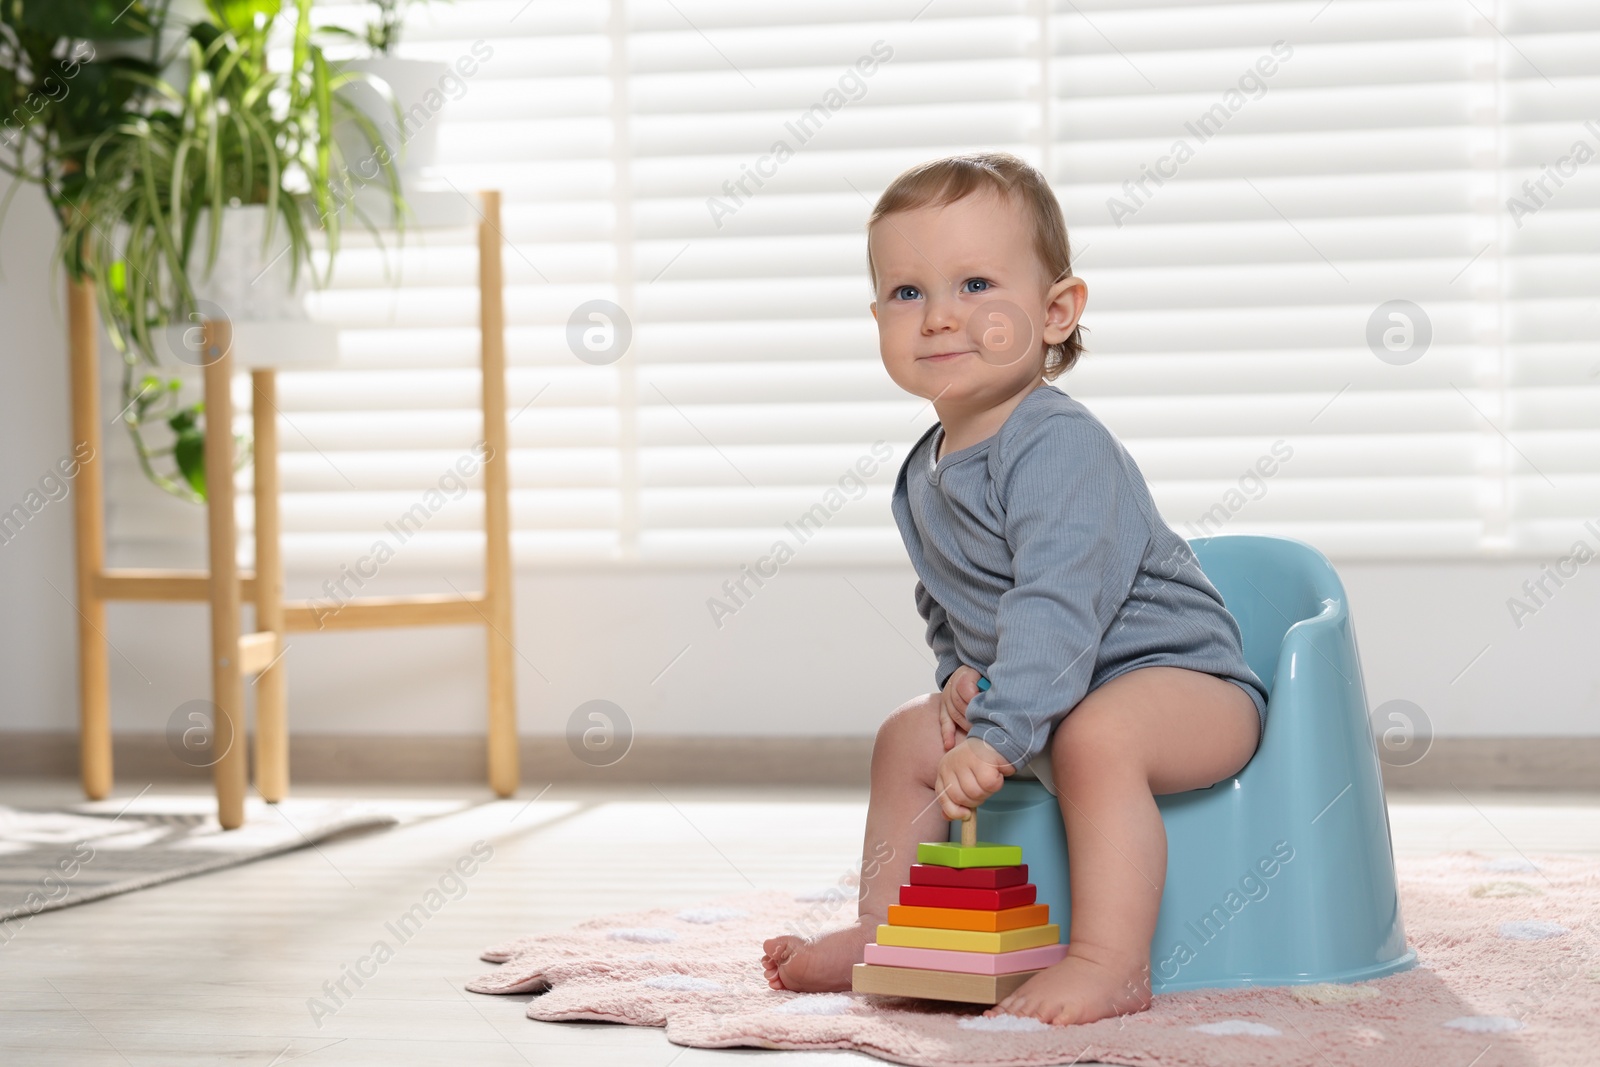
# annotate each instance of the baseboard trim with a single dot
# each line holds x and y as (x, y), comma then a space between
(1531, 763)
(1524, 763)
(358, 758)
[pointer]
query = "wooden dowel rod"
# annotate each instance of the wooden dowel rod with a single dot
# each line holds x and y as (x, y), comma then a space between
(227, 689)
(969, 830)
(165, 585)
(369, 613)
(502, 726)
(272, 713)
(89, 543)
(256, 650)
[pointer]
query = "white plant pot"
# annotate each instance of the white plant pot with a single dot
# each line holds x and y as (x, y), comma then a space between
(250, 280)
(249, 285)
(413, 84)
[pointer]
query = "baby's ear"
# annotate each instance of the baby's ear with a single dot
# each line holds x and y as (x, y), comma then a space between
(1064, 305)
(873, 307)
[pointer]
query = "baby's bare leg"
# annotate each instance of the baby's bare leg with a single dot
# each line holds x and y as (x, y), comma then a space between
(900, 812)
(1148, 732)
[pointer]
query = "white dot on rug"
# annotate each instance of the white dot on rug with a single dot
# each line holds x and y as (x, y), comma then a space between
(1531, 930)
(813, 896)
(1484, 1024)
(1231, 1027)
(650, 935)
(1332, 993)
(1501, 890)
(816, 1004)
(710, 915)
(1019, 1024)
(686, 982)
(1366, 1037)
(1508, 863)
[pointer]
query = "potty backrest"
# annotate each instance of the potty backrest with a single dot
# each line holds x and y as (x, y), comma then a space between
(1268, 584)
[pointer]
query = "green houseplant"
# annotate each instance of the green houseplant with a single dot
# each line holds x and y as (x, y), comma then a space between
(57, 95)
(382, 32)
(147, 213)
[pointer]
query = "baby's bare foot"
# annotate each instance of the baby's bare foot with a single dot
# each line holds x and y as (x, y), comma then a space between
(1088, 985)
(817, 964)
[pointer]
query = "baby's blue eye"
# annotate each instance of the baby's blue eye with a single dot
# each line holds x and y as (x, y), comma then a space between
(975, 285)
(907, 292)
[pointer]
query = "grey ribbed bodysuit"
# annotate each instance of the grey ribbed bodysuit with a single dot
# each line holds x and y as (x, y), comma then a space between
(1043, 564)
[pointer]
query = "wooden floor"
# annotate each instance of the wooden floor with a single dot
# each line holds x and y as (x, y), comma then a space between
(220, 968)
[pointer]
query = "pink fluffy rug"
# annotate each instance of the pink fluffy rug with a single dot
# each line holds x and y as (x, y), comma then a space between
(1509, 975)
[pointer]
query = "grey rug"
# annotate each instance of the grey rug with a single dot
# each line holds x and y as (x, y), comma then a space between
(55, 858)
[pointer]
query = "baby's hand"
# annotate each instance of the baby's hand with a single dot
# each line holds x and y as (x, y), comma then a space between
(969, 774)
(958, 692)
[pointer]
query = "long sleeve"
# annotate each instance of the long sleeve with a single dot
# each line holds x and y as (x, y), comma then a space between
(940, 639)
(1077, 533)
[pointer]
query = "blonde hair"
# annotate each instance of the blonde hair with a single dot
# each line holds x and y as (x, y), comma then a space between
(944, 181)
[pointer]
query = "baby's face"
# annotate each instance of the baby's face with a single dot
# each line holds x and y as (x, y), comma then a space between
(962, 304)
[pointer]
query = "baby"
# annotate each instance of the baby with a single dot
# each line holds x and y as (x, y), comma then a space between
(1115, 673)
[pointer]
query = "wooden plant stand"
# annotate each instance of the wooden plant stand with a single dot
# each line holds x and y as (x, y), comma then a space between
(236, 655)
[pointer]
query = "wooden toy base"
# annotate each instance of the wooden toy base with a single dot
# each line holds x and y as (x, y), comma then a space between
(936, 985)
(934, 959)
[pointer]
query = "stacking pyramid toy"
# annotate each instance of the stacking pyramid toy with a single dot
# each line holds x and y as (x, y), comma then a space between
(966, 928)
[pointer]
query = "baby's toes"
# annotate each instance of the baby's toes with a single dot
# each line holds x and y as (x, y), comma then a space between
(779, 949)
(1007, 1006)
(1028, 1008)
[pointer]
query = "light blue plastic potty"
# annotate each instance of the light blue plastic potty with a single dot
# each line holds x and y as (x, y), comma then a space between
(1283, 874)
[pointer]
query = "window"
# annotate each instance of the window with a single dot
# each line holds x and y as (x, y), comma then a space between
(1323, 301)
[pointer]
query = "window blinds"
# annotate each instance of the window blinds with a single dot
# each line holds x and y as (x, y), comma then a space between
(1302, 230)
(1312, 311)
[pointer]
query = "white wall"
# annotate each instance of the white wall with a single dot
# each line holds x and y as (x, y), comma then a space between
(37, 629)
(808, 656)
(811, 654)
